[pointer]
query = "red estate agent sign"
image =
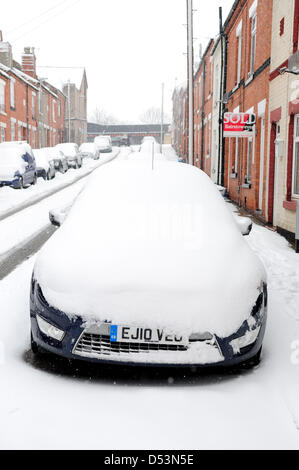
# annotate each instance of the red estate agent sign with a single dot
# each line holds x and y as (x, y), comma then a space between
(239, 125)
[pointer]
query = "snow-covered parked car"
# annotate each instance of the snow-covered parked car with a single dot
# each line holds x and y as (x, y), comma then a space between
(72, 153)
(103, 143)
(157, 274)
(45, 168)
(17, 165)
(90, 150)
(57, 156)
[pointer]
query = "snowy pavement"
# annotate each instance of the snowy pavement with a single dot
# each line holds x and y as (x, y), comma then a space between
(47, 404)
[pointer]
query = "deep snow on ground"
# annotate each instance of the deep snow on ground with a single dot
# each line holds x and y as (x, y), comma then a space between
(50, 404)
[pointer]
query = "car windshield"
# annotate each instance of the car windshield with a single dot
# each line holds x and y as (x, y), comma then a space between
(11, 157)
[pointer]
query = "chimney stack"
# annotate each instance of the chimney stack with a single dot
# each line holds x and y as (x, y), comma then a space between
(29, 61)
(5, 53)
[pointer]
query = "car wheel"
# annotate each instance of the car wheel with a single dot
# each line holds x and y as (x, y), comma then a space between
(21, 183)
(48, 176)
(34, 180)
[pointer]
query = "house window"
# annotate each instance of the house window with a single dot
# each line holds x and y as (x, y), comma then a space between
(239, 60)
(2, 96)
(54, 116)
(13, 130)
(210, 135)
(2, 134)
(253, 42)
(20, 132)
(33, 106)
(249, 160)
(12, 93)
(281, 27)
(296, 157)
(33, 138)
(59, 109)
(236, 156)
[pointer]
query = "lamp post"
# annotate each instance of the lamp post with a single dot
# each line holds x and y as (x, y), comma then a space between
(162, 119)
(190, 56)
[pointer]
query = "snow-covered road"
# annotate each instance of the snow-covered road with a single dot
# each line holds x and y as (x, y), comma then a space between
(48, 405)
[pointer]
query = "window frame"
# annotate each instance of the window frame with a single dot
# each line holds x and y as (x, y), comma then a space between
(12, 93)
(295, 141)
(249, 160)
(253, 41)
(2, 95)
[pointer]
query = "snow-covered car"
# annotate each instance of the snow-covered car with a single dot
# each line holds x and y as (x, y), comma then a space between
(72, 153)
(103, 143)
(45, 168)
(57, 156)
(17, 165)
(157, 274)
(90, 150)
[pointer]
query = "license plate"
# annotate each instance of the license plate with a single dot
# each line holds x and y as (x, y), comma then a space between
(132, 334)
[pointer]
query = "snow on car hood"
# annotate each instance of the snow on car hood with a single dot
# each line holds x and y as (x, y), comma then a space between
(151, 248)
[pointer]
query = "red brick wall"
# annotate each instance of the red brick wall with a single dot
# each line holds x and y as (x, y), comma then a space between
(23, 113)
(205, 90)
(247, 97)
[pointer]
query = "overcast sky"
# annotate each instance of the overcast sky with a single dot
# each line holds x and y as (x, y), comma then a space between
(129, 47)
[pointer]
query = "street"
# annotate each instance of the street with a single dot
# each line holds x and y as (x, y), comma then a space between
(50, 403)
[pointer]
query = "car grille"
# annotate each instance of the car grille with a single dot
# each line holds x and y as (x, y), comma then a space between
(91, 344)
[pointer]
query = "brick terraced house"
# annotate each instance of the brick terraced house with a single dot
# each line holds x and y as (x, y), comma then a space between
(30, 109)
(251, 67)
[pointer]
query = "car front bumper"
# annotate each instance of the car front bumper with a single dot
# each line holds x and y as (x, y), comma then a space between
(82, 342)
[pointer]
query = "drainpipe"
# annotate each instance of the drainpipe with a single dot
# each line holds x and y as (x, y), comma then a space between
(27, 113)
(203, 114)
(220, 176)
(297, 228)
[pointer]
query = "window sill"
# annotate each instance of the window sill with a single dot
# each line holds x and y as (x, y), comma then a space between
(13, 108)
(3, 113)
(246, 185)
(249, 80)
(234, 176)
(290, 205)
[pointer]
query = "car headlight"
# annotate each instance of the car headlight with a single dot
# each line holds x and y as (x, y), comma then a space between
(249, 338)
(49, 330)
(254, 323)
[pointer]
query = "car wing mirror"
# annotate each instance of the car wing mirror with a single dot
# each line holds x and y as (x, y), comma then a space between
(58, 216)
(245, 225)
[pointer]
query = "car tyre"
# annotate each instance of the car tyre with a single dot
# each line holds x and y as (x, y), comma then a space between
(21, 183)
(34, 180)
